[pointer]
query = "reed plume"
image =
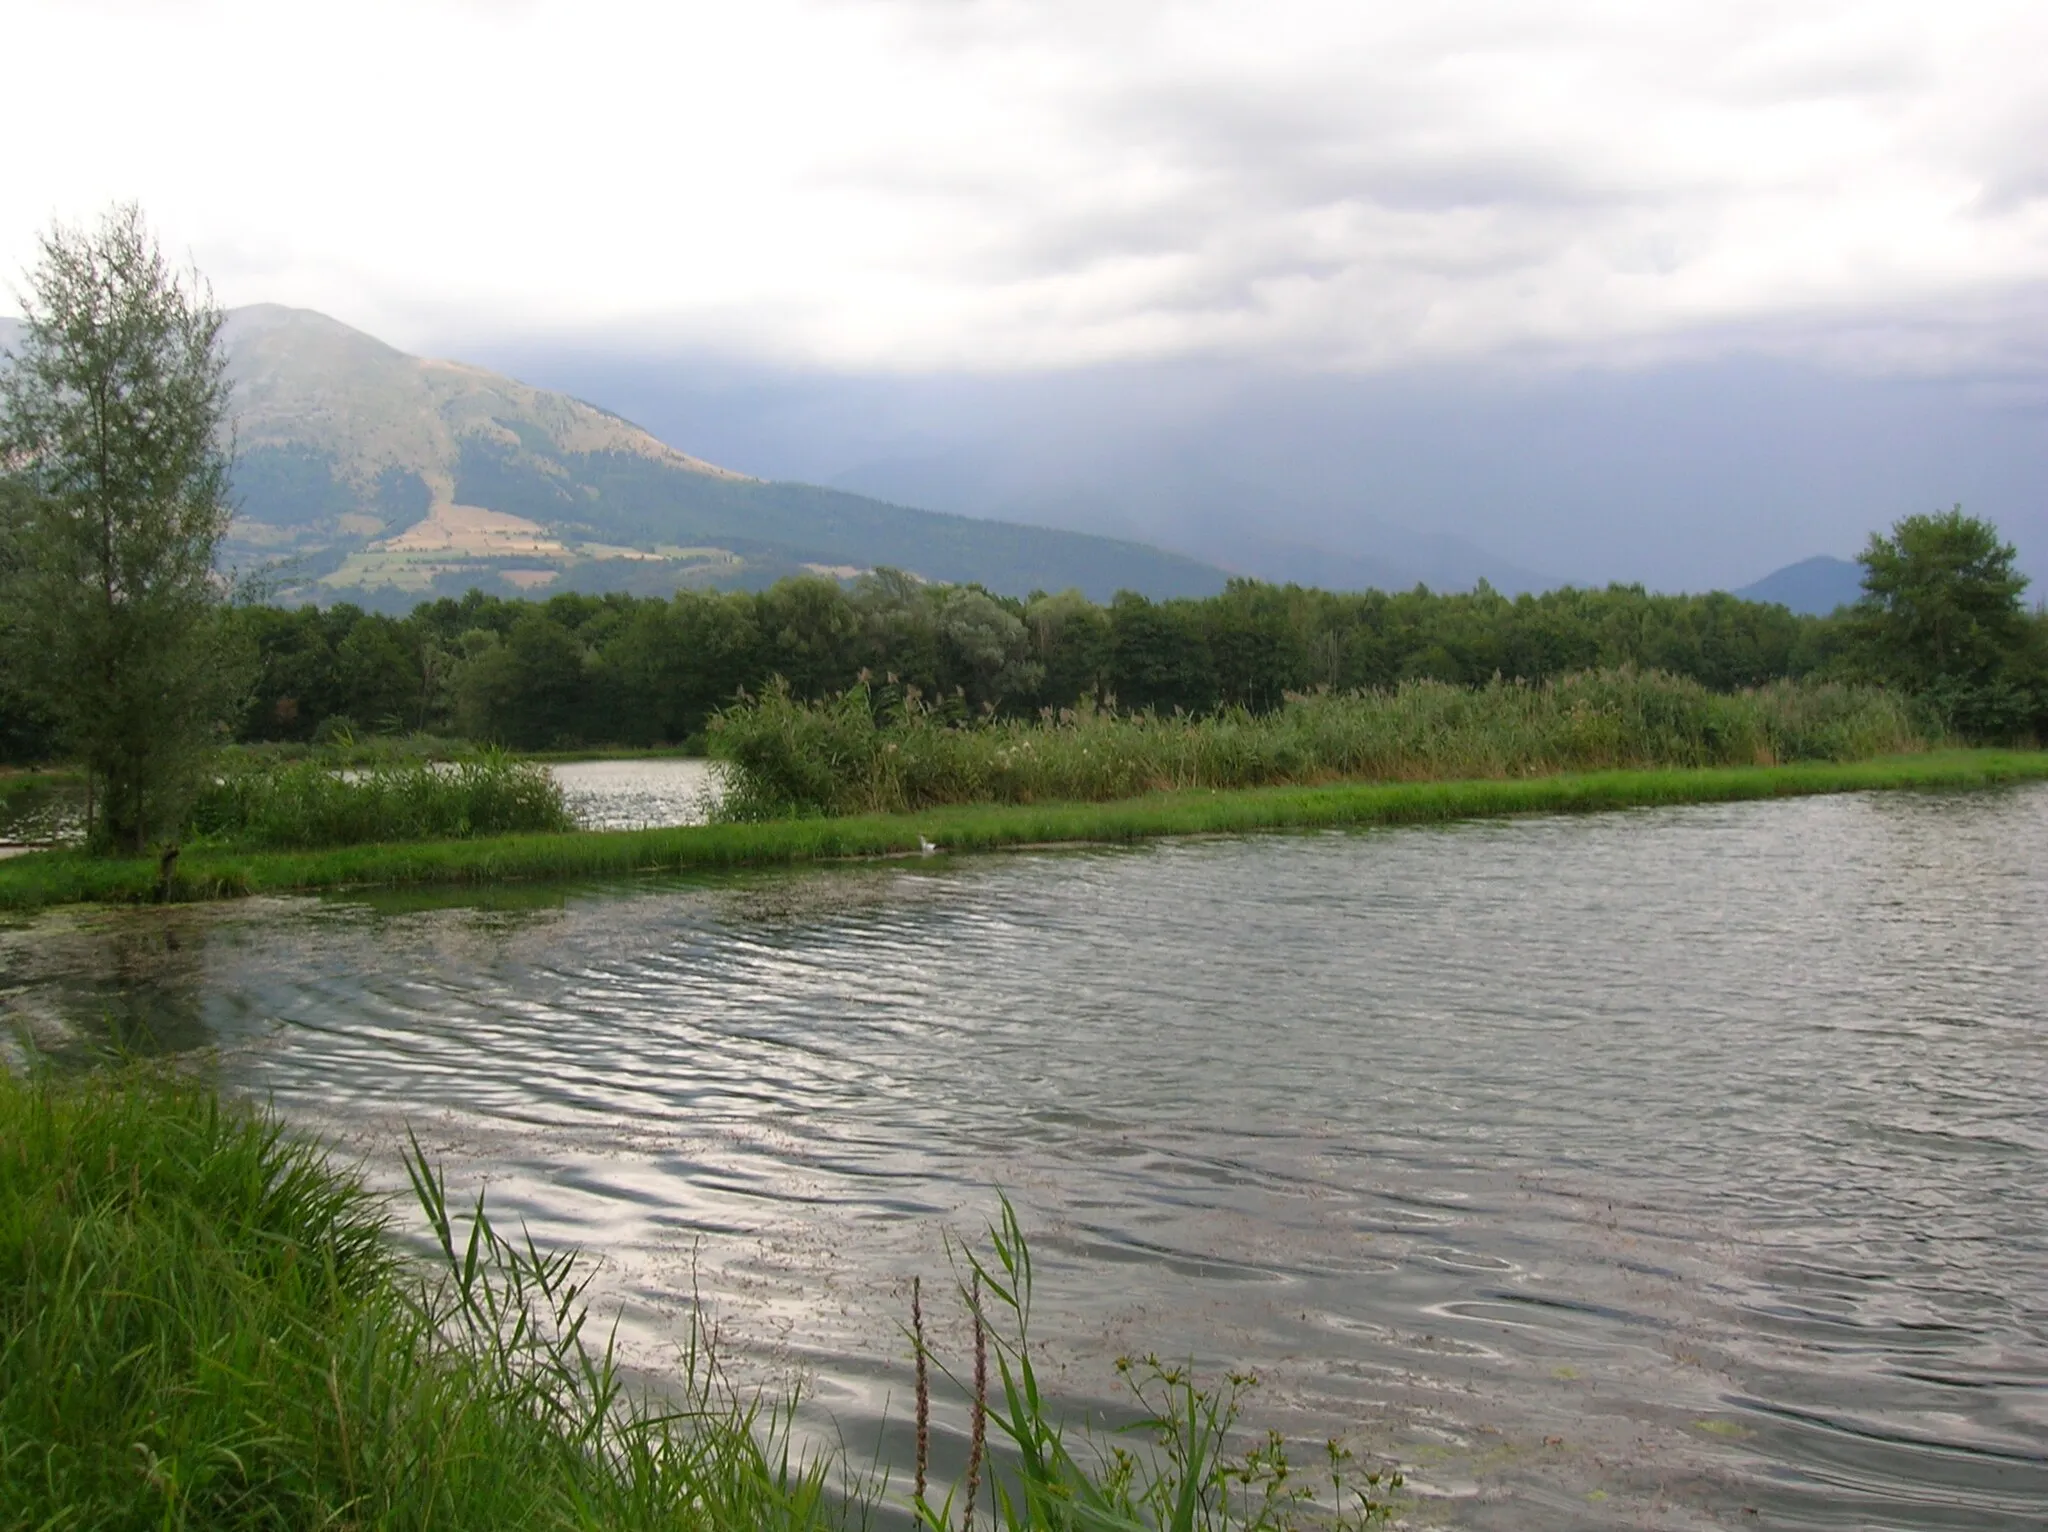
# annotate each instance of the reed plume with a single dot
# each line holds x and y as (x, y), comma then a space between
(979, 1432)
(924, 1393)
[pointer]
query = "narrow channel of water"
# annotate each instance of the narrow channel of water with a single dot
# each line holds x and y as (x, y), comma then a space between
(1679, 1168)
(638, 794)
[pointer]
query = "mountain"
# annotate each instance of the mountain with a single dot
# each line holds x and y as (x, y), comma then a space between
(1686, 474)
(366, 474)
(386, 477)
(1814, 586)
(1249, 522)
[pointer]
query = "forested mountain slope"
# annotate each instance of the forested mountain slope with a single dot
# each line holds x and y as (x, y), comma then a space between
(366, 474)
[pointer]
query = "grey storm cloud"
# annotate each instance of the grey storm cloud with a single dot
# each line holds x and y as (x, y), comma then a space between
(1488, 177)
(998, 185)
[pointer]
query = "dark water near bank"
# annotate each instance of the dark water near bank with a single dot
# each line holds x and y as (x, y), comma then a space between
(1674, 1169)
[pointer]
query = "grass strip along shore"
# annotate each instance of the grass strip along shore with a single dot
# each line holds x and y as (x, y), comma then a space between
(49, 878)
(205, 1324)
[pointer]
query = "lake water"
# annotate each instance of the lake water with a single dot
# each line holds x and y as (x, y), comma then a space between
(638, 795)
(1682, 1168)
(42, 817)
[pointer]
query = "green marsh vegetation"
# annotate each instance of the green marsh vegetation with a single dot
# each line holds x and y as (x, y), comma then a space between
(67, 877)
(341, 747)
(15, 785)
(860, 754)
(316, 803)
(204, 1324)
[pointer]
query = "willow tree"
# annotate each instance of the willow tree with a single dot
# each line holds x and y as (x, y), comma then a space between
(113, 432)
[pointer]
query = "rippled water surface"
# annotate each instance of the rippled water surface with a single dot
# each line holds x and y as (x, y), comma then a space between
(637, 794)
(40, 817)
(1676, 1169)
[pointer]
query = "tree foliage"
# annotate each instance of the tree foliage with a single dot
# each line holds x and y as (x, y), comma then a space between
(112, 432)
(1941, 617)
(616, 669)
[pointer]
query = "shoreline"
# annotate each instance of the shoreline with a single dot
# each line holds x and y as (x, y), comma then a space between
(43, 879)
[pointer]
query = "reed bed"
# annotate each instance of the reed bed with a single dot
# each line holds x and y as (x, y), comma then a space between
(18, 787)
(203, 1324)
(345, 748)
(309, 803)
(846, 755)
(67, 877)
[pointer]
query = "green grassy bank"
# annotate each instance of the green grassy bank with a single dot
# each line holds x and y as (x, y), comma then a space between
(61, 877)
(204, 1324)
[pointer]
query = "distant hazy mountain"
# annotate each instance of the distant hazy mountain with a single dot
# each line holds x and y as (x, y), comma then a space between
(1249, 523)
(369, 475)
(1815, 586)
(1687, 475)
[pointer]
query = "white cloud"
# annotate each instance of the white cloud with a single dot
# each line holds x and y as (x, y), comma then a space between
(997, 185)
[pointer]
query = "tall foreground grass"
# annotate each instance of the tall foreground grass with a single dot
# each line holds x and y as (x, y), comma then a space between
(204, 1325)
(308, 803)
(848, 756)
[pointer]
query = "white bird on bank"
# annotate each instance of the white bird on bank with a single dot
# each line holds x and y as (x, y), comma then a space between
(924, 846)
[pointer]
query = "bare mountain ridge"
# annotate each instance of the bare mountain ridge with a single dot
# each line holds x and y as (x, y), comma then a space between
(303, 380)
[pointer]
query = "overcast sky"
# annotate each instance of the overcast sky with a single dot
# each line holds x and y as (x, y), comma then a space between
(942, 185)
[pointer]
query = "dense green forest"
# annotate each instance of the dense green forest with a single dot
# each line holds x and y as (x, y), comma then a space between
(579, 670)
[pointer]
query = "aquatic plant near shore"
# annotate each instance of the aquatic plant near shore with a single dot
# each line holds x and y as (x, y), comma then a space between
(1188, 1472)
(203, 1324)
(307, 804)
(846, 755)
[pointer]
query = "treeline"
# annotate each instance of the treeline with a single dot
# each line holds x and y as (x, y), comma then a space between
(577, 670)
